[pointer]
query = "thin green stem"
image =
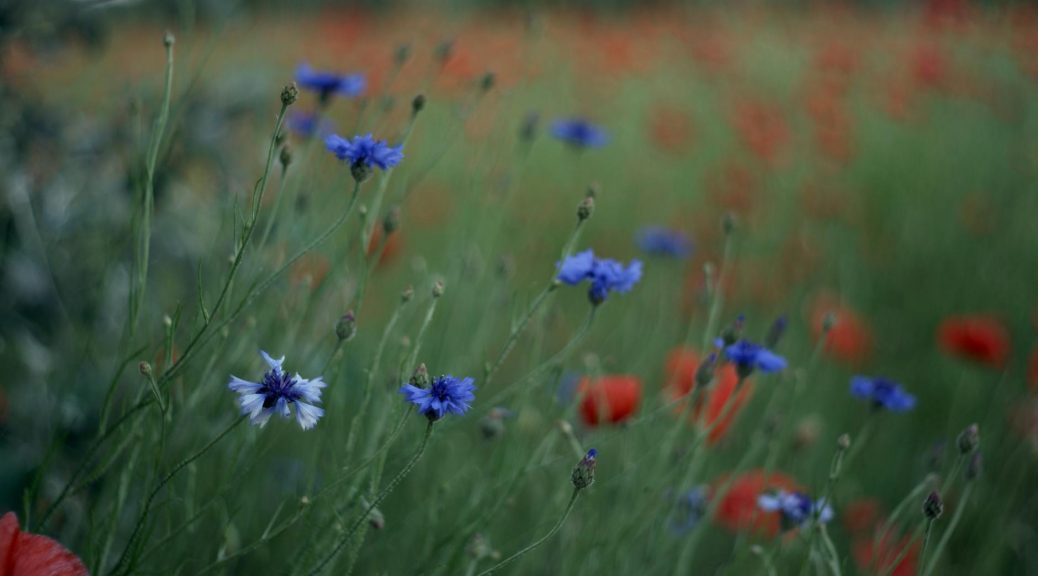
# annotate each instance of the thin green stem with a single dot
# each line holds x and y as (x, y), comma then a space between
(539, 541)
(377, 500)
(932, 565)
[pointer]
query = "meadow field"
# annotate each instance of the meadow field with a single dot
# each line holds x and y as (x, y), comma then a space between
(460, 289)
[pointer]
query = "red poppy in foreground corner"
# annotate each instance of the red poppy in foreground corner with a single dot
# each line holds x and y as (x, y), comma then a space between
(738, 509)
(977, 337)
(24, 554)
(681, 367)
(609, 399)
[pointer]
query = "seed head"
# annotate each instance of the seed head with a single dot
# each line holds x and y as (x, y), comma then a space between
(418, 104)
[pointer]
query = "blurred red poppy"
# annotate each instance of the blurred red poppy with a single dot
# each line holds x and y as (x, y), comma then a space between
(850, 338)
(874, 556)
(392, 245)
(681, 367)
(670, 128)
(738, 508)
(977, 337)
(616, 396)
(24, 554)
(861, 516)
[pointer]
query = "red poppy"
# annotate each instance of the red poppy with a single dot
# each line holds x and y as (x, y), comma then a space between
(875, 556)
(617, 395)
(670, 128)
(24, 554)
(681, 367)
(980, 338)
(850, 338)
(738, 509)
(861, 516)
(763, 129)
(392, 245)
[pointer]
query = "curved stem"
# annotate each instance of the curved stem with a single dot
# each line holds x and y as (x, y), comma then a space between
(124, 557)
(539, 541)
(374, 503)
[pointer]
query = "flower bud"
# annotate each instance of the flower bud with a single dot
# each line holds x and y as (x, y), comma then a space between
(418, 104)
(728, 223)
(289, 94)
(420, 379)
(346, 327)
(933, 506)
(586, 208)
(584, 473)
(168, 39)
(285, 157)
(391, 222)
(969, 439)
(144, 368)
(407, 294)
(437, 289)
(843, 442)
(486, 83)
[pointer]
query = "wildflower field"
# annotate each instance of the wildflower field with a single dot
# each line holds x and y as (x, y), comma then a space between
(452, 289)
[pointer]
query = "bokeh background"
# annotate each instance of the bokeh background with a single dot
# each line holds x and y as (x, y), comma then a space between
(879, 161)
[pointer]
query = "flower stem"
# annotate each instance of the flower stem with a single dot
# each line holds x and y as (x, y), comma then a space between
(539, 541)
(377, 500)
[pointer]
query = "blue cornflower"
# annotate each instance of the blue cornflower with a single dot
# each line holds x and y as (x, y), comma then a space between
(748, 357)
(327, 84)
(447, 394)
(579, 133)
(690, 508)
(277, 392)
(794, 508)
(606, 275)
(308, 124)
(660, 241)
(364, 153)
(884, 394)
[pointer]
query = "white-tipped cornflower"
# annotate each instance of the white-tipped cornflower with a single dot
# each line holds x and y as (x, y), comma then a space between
(794, 508)
(277, 393)
(606, 275)
(446, 395)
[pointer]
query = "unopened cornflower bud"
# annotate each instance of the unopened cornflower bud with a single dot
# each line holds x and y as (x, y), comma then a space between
(528, 129)
(407, 294)
(933, 506)
(444, 50)
(584, 473)
(843, 442)
(144, 368)
(285, 157)
(168, 39)
(975, 466)
(420, 378)
(486, 83)
(731, 334)
(402, 54)
(418, 104)
(728, 223)
(776, 332)
(586, 208)
(437, 289)
(829, 322)
(705, 372)
(346, 327)
(969, 439)
(391, 222)
(289, 94)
